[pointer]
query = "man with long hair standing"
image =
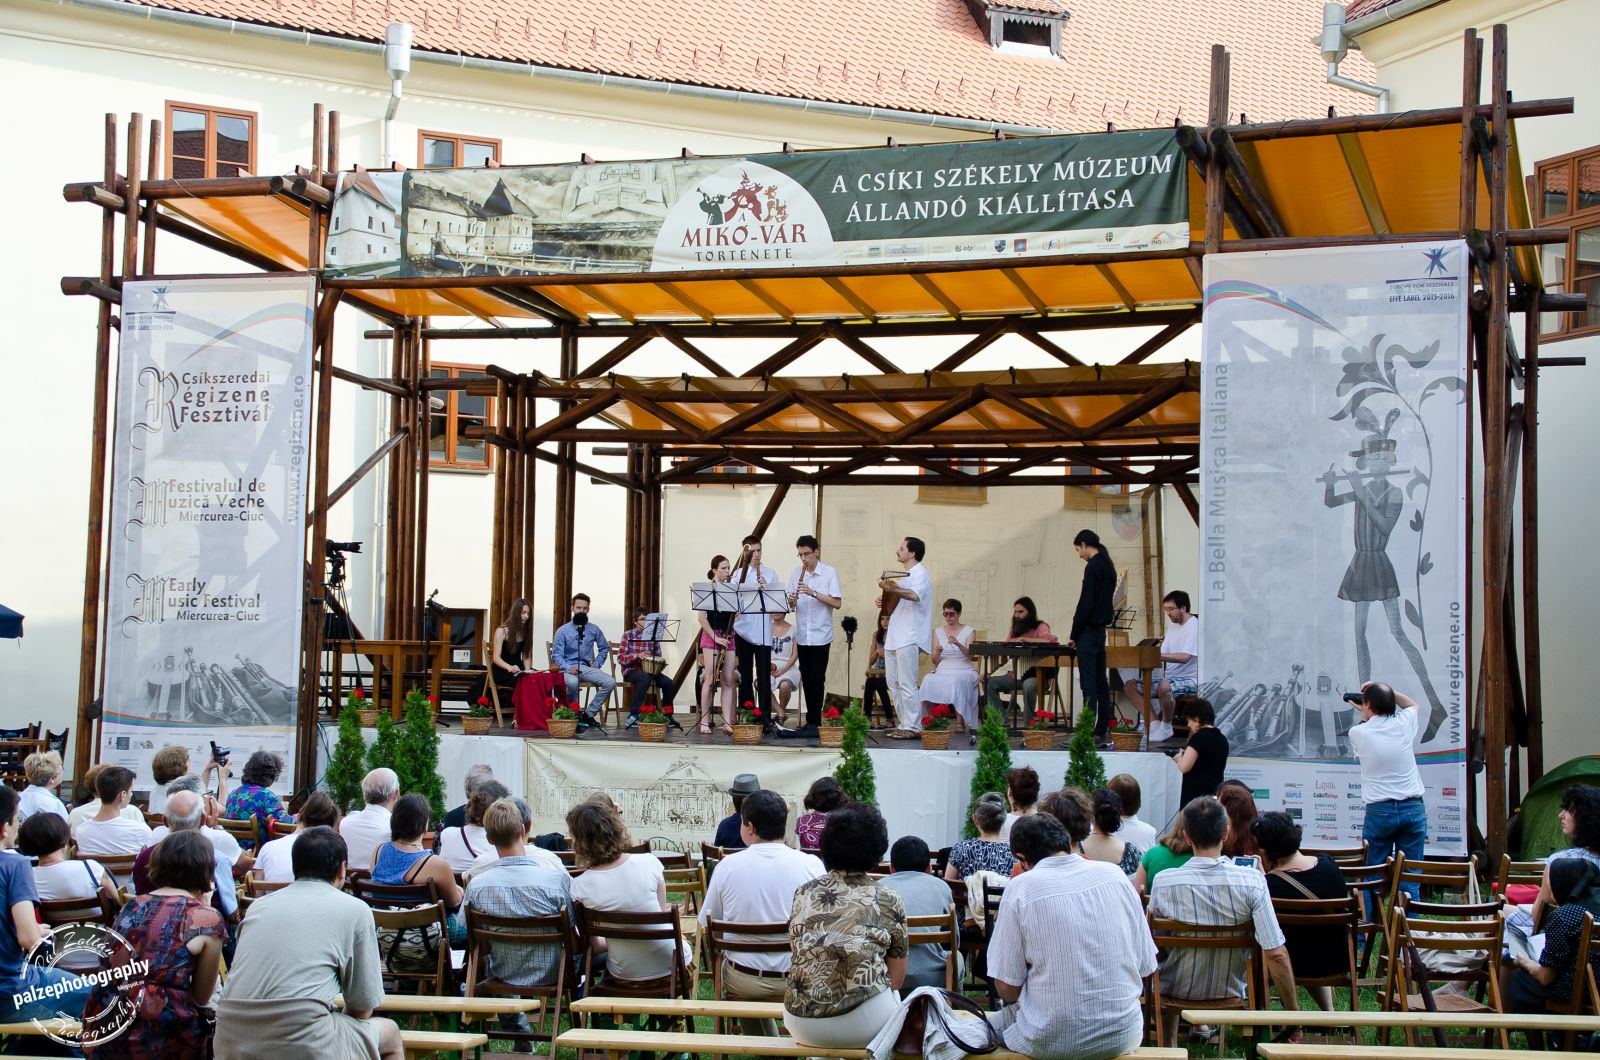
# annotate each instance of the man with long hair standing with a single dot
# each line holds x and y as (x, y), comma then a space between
(1089, 624)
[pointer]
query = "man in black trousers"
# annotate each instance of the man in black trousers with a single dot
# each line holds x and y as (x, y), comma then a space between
(1088, 636)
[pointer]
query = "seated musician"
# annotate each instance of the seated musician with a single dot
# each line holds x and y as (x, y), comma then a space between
(513, 647)
(578, 650)
(785, 671)
(1180, 658)
(876, 686)
(1025, 629)
(638, 658)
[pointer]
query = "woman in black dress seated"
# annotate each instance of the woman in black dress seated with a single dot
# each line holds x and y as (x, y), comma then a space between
(1527, 984)
(1292, 874)
(513, 648)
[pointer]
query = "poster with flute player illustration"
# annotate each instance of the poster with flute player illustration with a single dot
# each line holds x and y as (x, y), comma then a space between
(1331, 511)
(207, 532)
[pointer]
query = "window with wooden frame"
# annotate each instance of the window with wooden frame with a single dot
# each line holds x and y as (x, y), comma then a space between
(456, 411)
(940, 490)
(210, 141)
(1567, 192)
(444, 151)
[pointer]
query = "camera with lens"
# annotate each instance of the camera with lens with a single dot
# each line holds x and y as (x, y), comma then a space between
(219, 755)
(1357, 698)
(343, 546)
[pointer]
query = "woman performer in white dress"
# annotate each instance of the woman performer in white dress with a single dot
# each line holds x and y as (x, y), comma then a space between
(954, 679)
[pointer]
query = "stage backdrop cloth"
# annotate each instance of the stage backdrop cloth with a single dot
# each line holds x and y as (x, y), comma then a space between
(531, 698)
(679, 791)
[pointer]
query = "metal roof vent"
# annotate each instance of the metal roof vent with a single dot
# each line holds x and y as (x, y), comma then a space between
(1021, 27)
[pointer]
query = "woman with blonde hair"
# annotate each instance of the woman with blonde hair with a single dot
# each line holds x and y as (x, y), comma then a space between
(43, 770)
(1170, 851)
(716, 641)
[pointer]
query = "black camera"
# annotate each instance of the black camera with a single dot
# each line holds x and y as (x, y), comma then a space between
(1355, 697)
(343, 546)
(219, 755)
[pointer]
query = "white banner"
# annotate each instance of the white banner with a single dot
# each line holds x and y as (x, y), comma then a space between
(1331, 520)
(207, 540)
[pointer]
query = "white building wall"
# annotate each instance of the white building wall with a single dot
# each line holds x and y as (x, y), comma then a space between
(68, 66)
(1550, 52)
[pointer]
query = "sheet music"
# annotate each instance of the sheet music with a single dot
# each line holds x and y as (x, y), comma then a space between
(768, 601)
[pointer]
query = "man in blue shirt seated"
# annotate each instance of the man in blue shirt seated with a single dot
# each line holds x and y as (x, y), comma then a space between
(578, 650)
(728, 836)
(27, 991)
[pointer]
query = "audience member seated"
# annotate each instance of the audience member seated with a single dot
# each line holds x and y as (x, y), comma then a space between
(1073, 809)
(1102, 843)
(1527, 984)
(56, 877)
(110, 831)
(1170, 851)
(404, 860)
(20, 932)
(43, 770)
(89, 800)
(1068, 992)
(299, 948)
(1580, 821)
(1210, 890)
(1242, 813)
(824, 797)
(1022, 791)
(1133, 830)
(847, 939)
(1313, 952)
(757, 886)
(461, 847)
(167, 765)
(539, 855)
(179, 934)
(185, 813)
(728, 829)
(275, 863)
(226, 846)
(476, 774)
(366, 829)
(517, 886)
(254, 796)
(922, 894)
(615, 881)
(985, 852)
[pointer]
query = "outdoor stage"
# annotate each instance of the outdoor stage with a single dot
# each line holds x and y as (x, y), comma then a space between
(678, 789)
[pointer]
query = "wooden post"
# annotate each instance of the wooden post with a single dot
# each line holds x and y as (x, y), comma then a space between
(1531, 679)
(1496, 493)
(1471, 81)
(391, 518)
(632, 570)
(153, 169)
(566, 489)
(498, 601)
(88, 650)
(418, 610)
(1216, 178)
(527, 503)
(305, 760)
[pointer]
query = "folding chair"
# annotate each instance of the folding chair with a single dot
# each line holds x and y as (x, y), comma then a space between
(724, 938)
(434, 972)
(277, 829)
(939, 929)
(1438, 875)
(1317, 915)
(119, 865)
(662, 926)
(1530, 873)
(68, 912)
(554, 931)
(1418, 930)
(1343, 855)
(246, 832)
(1370, 886)
(1584, 993)
(403, 958)
(1173, 935)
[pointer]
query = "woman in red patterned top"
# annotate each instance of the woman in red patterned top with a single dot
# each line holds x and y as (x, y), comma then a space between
(824, 797)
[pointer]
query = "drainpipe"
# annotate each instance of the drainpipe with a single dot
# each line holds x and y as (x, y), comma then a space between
(396, 63)
(1333, 44)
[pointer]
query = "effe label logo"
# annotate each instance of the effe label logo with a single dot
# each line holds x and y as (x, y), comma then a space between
(71, 965)
(746, 214)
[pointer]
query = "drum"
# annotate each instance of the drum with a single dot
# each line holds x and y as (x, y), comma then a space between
(652, 664)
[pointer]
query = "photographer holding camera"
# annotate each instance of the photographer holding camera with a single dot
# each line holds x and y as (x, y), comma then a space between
(1391, 784)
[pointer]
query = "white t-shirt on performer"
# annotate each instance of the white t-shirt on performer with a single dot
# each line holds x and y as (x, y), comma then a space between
(1182, 640)
(1388, 760)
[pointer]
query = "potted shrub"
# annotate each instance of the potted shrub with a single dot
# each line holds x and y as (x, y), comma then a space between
(747, 729)
(831, 731)
(936, 727)
(364, 707)
(854, 771)
(1125, 735)
(1040, 732)
(653, 723)
(476, 723)
(564, 721)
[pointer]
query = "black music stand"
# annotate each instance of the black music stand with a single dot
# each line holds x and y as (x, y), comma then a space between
(714, 598)
(660, 629)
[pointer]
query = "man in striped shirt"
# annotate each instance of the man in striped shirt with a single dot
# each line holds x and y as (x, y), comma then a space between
(1210, 890)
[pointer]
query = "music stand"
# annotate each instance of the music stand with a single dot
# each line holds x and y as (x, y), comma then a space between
(660, 629)
(714, 598)
(754, 600)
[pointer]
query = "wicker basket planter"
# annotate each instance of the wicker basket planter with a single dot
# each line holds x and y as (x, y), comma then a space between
(652, 732)
(369, 718)
(563, 728)
(831, 735)
(936, 739)
(1126, 739)
(475, 726)
(747, 733)
(1037, 739)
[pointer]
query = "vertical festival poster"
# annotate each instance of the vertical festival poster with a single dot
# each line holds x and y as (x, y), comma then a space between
(1333, 492)
(207, 535)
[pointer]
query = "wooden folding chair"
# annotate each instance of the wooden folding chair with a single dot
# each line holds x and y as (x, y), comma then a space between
(1343, 855)
(1584, 995)
(68, 912)
(1436, 876)
(431, 976)
(277, 829)
(662, 926)
(1317, 915)
(1370, 886)
(725, 938)
(1524, 872)
(119, 865)
(938, 929)
(1173, 935)
(553, 932)
(246, 832)
(1418, 930)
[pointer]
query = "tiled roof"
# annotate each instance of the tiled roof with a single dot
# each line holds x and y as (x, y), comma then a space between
(1129, 62)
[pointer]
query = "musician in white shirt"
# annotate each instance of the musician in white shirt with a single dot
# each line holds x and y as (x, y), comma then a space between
(1180, 673)
(814, 594)
(753, 635)
(910, 634)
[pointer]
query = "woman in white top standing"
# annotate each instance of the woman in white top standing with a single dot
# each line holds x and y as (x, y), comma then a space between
(1391, 784)
(55, 876)
(616, 881)
(954, 679)
(461, 847)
